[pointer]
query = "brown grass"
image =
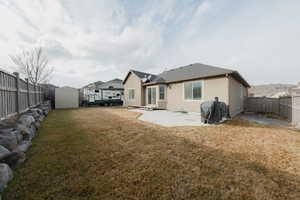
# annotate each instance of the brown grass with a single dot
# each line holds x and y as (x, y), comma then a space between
(104, 153)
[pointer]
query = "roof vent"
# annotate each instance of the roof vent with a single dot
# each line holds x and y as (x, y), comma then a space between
(146, 78)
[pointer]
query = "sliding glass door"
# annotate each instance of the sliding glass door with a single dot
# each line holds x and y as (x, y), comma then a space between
(152, 95)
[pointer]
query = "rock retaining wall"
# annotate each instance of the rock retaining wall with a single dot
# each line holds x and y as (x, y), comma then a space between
(15, 139)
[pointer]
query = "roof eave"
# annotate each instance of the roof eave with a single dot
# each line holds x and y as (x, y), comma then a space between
(241, 79)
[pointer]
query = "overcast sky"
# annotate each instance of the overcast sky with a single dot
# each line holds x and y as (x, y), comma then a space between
(93, 40)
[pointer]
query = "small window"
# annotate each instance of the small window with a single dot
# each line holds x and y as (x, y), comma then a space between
(96, 91)
(130, 93)
(193, 90)
(162, 90)
(110, 87)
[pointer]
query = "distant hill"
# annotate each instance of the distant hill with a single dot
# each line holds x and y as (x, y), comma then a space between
(271, 90)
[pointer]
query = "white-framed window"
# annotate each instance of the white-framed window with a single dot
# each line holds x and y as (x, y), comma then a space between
(193, 90)
(131, 94)
(151, 95)
(162, 92)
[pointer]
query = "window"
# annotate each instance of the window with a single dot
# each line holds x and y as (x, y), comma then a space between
(193, 90)
(162, 90)
(130, 93)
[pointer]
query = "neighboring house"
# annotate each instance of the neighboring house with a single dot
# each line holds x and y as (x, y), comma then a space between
(95, 93)
(185, 88)
(94, 85)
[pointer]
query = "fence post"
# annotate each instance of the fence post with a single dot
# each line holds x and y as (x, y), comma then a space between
(279, 106)
(17, 91)
(28, 92)
(35, 96)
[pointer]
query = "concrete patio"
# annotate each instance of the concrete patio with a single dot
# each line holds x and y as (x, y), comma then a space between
(170, 118)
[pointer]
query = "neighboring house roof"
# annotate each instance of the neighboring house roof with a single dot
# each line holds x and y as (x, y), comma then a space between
(189, 72)
(93, 85)
(112, 84)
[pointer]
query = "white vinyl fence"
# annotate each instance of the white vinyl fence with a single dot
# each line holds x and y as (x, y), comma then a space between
(17, 95)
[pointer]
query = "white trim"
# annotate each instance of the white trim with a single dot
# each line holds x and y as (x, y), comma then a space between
(156, 97)
(202, 91)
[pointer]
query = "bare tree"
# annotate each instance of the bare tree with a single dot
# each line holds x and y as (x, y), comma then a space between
(34, 65)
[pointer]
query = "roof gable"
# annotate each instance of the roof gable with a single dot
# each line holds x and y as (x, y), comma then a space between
(140, 75)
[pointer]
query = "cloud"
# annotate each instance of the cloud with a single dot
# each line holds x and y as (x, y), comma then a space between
(100, 40)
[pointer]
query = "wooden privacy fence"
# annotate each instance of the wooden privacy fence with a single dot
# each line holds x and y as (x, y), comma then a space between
(281, 106)
(17, 95)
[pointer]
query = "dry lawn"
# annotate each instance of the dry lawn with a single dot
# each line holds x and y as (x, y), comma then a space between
(106, 153)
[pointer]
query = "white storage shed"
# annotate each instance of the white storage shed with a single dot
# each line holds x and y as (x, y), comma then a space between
(66, 97)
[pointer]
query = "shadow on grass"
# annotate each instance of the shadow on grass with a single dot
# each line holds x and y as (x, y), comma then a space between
(86, 155)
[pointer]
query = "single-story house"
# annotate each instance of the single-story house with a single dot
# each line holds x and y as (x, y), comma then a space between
(185, 88)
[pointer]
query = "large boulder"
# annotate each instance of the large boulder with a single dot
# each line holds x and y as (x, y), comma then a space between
(18, 135)
(24, 146)
(27, 120)
(14, 159)
(37, 114)
(46, 111)
(8, 139)
(3, 152)
(6, 175)
(38, 111)
(27, 132)
(46, 107)
(8, 123)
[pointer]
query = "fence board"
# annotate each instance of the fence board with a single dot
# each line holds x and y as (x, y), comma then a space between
(17, 95)
(280, 106)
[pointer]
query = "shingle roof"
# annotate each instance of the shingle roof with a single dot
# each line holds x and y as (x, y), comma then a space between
(189, 72)
(141, 75)
(115, 83)
(192, 71)
(144, 75)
